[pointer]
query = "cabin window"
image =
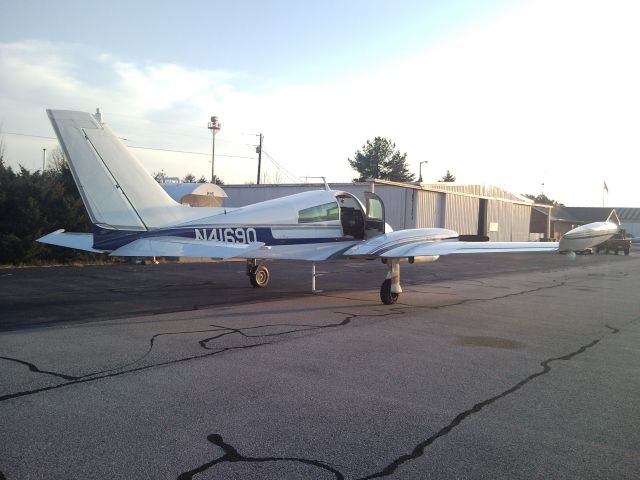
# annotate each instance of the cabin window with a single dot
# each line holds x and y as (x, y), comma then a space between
(320, 213)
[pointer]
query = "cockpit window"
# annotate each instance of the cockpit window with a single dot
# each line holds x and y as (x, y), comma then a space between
(320, 213)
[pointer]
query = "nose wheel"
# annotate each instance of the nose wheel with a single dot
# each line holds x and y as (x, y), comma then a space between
(387, 297)
(258, 274)
(390, 289)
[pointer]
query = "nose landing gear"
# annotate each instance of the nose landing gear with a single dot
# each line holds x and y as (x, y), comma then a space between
(390, 289)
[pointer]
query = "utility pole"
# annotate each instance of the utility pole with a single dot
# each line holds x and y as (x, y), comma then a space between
(259, 152)
(44, 158)
(214, 126)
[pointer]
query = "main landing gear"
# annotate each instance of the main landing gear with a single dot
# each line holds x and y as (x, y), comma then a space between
(390, 289)
(258, 274)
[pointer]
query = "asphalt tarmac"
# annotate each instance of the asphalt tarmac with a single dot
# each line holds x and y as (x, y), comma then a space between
(490, 366)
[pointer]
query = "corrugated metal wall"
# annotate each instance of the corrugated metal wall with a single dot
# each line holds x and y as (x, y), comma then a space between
(461, 214)
(407, 207)
(513, 221)
(395, 202)
(520, 223)
(498, 221)
(241, 195)
(429, 209)
(632, 228)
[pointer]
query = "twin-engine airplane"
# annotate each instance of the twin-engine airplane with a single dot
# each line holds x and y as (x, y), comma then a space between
(134, 217)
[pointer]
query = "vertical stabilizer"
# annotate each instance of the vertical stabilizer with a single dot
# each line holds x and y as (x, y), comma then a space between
(115, 188)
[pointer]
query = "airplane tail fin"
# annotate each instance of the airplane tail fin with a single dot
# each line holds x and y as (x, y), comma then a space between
(117, 191)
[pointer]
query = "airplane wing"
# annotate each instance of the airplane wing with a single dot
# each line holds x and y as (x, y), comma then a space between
(183, 247)
(456, 247)
(433, 242)
(80, 241)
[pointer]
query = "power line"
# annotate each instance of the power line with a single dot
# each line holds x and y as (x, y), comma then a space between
(191, 153)
(171, 122)
(291, 176)
(27, 135)
(132, 146)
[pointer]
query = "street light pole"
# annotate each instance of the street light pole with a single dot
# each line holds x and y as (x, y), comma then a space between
(420, 179)
(214, 126)
(259, 150)
(44, 158)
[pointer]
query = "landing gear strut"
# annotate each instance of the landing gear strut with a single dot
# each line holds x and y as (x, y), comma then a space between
(258, 274)
(390, 289)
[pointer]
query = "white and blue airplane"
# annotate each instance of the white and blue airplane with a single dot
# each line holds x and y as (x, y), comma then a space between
(134, 217)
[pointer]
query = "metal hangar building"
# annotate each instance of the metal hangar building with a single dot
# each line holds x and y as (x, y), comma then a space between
(468, 209)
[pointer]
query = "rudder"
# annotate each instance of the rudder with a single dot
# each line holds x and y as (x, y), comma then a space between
(117, 191)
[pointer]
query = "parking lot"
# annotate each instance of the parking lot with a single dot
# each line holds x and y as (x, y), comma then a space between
(490, 366)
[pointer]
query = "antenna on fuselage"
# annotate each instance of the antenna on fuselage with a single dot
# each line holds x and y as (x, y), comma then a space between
(326, 185)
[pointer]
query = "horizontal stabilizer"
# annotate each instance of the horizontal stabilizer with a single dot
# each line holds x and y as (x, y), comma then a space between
(80, 241)
(183, 247)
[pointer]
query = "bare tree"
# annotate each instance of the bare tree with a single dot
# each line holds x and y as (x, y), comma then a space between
(56, 161)
(159, 176)
(2, 146)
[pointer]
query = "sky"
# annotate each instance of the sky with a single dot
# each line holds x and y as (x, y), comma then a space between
(531, 96)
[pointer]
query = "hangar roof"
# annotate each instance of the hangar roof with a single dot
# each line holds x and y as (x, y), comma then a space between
(594, 214)
(479, 190)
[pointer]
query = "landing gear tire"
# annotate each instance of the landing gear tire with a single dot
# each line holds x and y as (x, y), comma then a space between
(259, 276)
(386, 296)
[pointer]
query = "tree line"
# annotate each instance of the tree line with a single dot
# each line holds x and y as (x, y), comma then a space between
(33, 204)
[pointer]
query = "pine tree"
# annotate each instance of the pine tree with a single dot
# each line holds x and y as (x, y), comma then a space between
(380, 159)
(448, 177)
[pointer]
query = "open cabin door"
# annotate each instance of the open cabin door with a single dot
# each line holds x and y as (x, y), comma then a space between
(374, 218)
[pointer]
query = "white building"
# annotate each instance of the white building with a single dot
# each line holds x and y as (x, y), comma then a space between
(195, 194)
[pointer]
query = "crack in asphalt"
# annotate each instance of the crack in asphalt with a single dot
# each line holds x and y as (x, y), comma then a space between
(32, 367)
(303, 328)
(25, 393)
(420, 448)
(460, 302)
(232, 455)
(500, 297)
(613, 330)
(203, 343)
(230, 330)
(151, 345)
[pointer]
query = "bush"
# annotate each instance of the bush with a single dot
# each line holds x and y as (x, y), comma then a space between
(34, 204)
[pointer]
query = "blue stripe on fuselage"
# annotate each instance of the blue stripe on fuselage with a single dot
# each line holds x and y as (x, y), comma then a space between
(107, 239)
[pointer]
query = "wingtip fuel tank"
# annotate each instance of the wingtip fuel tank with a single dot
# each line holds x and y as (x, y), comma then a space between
(587, 236)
